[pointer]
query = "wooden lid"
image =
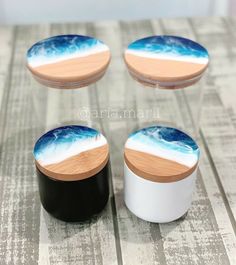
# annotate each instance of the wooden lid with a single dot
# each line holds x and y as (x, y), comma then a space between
(71, 153)
(161, 154)
(68, 61)
(166, 61)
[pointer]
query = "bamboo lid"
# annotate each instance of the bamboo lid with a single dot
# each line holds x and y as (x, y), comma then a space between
(71, 153)
(161, 154)
(68, 61)
(166, 61)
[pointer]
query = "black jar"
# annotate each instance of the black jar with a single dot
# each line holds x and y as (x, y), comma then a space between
(72, 164)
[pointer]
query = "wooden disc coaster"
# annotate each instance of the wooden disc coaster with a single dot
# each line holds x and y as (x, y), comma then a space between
(71, 153)
(161, 154)
(166, 61)
(68, 61)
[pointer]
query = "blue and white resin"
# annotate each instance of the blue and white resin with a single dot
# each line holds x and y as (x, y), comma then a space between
(169, 48)
(62, 143)
(165, 142)
(63, 47)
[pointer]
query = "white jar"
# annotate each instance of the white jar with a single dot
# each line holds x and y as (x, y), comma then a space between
(159, 173)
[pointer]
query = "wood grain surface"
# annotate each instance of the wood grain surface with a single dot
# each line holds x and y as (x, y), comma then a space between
(156, 168)
(163, 70)
(160, 84)
(78, 167)
(206, 235)
(74, 72)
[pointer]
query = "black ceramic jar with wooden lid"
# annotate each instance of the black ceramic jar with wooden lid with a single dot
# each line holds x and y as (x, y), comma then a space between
(72, 164)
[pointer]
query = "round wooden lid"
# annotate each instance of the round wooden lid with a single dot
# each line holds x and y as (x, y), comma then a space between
(71, 153)
(161, 154)
(166, 61)
(68, 61)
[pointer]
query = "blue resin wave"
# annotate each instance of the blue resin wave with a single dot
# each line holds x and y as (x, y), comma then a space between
(63, 47)
(165, 142)
(169, 47)
(62, 143)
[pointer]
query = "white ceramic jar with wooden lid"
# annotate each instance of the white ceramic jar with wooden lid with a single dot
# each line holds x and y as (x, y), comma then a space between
(67, 63)
(175, 66)
(159, 173)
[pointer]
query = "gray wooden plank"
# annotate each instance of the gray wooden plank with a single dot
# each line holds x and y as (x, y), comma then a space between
(7, 41)
(6, 38)
(19, 227)
(217, 125)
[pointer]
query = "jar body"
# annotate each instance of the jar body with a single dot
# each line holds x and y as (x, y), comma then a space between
(181, 108)
(54, 106)
(157, 202)
(74, 201)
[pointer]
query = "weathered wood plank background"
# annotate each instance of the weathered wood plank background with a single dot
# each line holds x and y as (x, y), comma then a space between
(28, 235)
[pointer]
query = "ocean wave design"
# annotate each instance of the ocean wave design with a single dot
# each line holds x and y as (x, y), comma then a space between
(63, 47)
(165, 142)
(62, 143)
(169, 47)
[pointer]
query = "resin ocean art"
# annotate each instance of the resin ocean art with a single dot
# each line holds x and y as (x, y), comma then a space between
(169, 48)
(166, 143)
(64, 144)
(61, 48)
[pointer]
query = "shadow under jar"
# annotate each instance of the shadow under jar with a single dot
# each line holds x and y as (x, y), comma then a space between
(159, 173)
(72, 164)
(64, 64)
(174, 65)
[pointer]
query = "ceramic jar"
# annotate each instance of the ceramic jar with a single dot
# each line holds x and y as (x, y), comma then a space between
(159, 173)
(72, 164)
